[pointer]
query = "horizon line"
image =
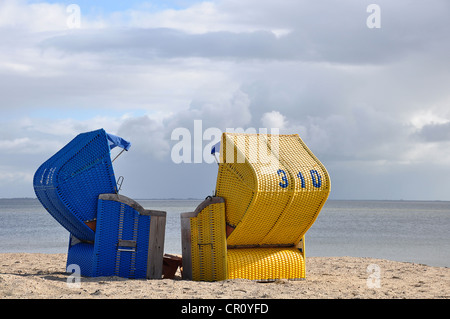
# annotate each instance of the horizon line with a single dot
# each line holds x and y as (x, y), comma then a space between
(192, 198)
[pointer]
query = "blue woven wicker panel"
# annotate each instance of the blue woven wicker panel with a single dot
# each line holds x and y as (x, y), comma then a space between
(117, 221)
(82, 254)
(68, 184)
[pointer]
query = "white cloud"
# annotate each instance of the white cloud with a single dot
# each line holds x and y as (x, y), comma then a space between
(204, 17)
(38, 17)
(273, 119)
(427, 117)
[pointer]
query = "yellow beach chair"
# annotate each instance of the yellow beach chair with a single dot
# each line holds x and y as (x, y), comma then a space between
(269, 191)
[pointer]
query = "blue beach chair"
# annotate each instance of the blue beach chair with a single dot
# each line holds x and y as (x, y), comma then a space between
(110, 234)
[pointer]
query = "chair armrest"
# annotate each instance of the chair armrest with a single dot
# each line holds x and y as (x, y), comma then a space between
(203, 241)
(132, 203)
(156, 232)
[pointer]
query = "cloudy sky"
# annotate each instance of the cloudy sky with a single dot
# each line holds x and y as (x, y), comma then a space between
(372, 103)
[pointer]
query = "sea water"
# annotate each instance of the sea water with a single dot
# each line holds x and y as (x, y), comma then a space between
(410, 231)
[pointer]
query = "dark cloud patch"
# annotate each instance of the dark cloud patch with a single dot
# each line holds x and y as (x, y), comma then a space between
(328, 31)
(435, 132)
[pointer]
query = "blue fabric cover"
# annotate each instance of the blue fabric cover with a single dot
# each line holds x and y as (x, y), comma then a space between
(215, 148)
(117, 141)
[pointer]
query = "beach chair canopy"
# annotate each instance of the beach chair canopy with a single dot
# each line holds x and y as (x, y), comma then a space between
(69, 183)
(273, 185)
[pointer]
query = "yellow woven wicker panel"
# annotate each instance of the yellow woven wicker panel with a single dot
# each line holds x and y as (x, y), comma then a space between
(208, 244)
(238, 190)
(259, 219)
(311, 186)
(265, 263)
(255, 210)
(236, 180)
(276, 191)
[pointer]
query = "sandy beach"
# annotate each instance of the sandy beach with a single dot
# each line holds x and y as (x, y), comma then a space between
(43, 276)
